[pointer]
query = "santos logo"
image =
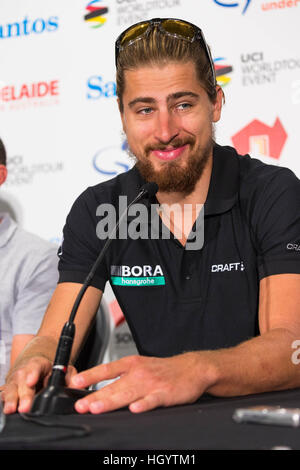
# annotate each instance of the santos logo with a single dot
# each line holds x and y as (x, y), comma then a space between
(27, 27)
(137, 275)
(220, 268)
(98, 88)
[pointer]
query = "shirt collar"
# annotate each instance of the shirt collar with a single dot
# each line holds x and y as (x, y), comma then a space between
(224, 182)
(7, 228)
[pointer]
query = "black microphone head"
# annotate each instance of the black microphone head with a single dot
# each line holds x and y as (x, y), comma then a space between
(149, 189)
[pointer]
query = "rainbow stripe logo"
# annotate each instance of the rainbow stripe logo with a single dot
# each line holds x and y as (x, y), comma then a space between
(222, 71)
(95, 14)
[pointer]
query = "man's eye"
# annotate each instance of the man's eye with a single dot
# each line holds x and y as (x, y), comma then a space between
(145, 111)
(182, 106)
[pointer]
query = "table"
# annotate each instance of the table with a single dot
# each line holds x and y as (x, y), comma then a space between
(206, 424)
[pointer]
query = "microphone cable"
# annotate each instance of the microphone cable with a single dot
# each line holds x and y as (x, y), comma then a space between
(75, 431)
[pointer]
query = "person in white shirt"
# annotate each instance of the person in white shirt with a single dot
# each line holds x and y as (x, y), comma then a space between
(28, 277)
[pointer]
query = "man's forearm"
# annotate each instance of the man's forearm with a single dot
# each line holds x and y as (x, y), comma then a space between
(39, 346)
(258, 365)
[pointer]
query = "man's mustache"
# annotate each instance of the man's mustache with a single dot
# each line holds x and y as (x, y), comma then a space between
(170, 145)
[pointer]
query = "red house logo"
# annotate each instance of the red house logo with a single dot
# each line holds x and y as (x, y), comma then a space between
(260, 139)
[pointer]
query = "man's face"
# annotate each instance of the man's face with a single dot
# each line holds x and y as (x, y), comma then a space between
(168, 120)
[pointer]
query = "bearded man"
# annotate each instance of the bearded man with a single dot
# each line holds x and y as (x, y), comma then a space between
(219, 319)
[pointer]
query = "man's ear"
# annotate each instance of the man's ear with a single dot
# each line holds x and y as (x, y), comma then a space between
(3, 174)
(121, 113)
(218, 104)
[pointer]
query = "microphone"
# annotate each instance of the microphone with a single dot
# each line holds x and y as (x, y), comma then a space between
(56, 398)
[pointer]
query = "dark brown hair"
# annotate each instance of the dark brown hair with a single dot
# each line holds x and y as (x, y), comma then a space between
(157, 48)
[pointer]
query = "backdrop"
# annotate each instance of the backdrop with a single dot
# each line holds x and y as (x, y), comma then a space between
(58, 112)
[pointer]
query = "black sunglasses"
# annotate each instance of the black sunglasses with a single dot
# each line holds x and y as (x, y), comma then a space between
(173, 27)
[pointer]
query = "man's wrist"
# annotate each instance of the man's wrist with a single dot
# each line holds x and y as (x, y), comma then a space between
(206, 367)
(38, 347)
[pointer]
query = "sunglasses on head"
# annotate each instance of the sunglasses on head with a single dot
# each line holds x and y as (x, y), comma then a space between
(172, 27)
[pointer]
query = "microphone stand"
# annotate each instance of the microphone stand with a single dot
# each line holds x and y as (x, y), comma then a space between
(56, 398)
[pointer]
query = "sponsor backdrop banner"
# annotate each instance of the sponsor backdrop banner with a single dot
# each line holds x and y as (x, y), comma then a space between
(58, 113)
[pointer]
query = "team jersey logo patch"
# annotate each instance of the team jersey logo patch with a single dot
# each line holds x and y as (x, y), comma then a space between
(221, 268)
(137, 276)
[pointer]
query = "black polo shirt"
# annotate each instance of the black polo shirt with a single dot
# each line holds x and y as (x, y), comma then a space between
(177, 300)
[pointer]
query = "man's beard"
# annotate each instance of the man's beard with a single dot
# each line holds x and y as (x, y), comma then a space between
(173, 176)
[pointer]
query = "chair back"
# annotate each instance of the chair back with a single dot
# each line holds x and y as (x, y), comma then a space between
(94, 348)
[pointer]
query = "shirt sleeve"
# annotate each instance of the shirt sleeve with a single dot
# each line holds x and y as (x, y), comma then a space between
(39, 277)
(276, 223)
(81, 246)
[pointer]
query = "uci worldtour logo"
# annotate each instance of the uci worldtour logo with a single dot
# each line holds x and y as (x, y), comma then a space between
(222, 71)
(98, 88)
(21, 172)
(244, 4)
(259, 70)
(95, 14)
(106, 162)
(132, 11)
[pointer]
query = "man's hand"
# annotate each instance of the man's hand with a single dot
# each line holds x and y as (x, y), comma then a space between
(145, 383)
(24, 381)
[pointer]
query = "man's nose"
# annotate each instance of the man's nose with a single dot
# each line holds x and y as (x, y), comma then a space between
(166, 127)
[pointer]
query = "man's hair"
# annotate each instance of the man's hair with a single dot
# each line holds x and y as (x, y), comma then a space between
(2, 154)
(157, 48)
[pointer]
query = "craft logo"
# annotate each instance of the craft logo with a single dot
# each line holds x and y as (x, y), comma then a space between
(25, 95)
(222, 71)
(133, 11)
(221, 268)
(261, 140)
(95, 14)
(256, 70)
(293, 246)
(98, 88)
(230, 4)
(22, 173)
(110, 161)
(27, 27)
